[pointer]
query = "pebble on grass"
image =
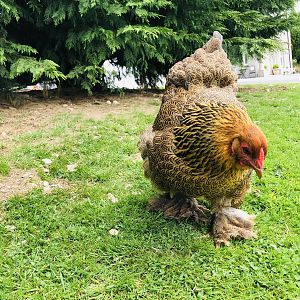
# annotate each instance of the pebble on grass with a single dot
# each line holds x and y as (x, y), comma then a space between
(71, 167)
(112, 198)
(113, 232)
(47, 161)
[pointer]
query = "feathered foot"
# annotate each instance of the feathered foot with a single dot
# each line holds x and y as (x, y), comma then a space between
(180, 207)
(232, 223)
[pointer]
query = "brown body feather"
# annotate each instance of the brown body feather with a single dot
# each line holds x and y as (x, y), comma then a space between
(194, 157)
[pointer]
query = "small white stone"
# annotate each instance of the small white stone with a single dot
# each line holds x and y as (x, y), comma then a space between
(46, 183)
(112, 198)
(108, 102)
(65, 105)
(113, 232)
(115, 102)
(46, 170)
(10, 227)
(47, 189)
(71, 167)
(47, 161)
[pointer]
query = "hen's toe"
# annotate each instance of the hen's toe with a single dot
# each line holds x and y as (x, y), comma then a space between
(231, 223)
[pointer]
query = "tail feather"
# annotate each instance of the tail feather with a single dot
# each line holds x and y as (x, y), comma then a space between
(207, 67)
(144, 145)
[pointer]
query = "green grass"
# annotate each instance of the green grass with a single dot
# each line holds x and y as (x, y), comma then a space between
(4, 167)
(57, 246)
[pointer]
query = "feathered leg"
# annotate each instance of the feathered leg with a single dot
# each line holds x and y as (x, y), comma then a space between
(180, 207)
(231, 223)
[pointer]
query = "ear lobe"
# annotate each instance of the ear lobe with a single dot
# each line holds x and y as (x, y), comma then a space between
(235, 145)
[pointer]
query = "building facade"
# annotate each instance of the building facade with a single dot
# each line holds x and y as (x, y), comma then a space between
(273, 63)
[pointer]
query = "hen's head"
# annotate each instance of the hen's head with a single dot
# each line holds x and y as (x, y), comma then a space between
(249, 149)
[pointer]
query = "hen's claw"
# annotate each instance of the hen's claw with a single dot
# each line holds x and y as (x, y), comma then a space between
(232, 223)
(179, 208)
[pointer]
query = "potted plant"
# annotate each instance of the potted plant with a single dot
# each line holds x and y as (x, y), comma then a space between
(275, 69)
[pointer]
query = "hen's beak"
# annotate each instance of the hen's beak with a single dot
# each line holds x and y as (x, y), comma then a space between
(258, 167)
(258, 173)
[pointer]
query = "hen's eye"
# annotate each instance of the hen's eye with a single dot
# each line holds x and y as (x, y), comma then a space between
(246, 150)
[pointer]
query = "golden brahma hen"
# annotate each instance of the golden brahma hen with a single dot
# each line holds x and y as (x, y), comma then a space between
(204, 144)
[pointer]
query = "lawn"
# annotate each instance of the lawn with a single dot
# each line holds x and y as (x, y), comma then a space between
(57, 245)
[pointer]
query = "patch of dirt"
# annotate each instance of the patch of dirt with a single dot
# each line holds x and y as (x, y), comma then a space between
(37, 113)
(20, 182)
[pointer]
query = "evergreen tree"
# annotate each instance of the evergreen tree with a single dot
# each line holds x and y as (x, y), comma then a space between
(17, 58)
(146, 36)
(295, 35)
